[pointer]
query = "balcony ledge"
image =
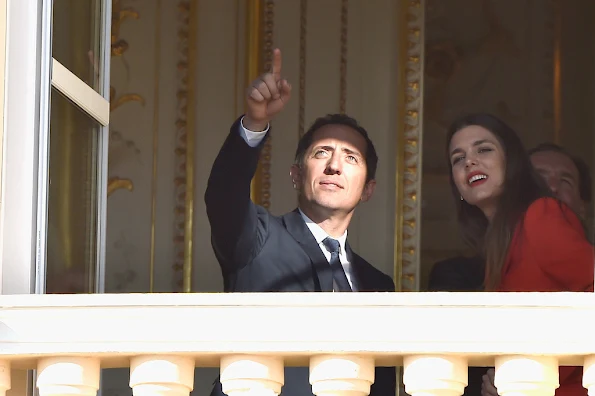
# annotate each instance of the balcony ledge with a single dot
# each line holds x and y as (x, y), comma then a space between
(386, 326)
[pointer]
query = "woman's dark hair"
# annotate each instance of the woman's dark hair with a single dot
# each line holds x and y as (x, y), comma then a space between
(521, 187)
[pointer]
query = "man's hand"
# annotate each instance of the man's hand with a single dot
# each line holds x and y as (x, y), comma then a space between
(266, 97)
(487, 387)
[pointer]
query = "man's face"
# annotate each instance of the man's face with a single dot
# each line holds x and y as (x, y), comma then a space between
(333, 172)
(562, 177)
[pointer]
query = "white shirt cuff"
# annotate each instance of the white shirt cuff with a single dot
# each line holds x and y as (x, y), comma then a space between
(252, 138)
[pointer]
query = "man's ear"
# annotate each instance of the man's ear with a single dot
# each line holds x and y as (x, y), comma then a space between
(296, 175)
(368, 190)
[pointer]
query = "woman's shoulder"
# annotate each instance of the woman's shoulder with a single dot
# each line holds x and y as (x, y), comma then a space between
(549, 210)
(547, 205)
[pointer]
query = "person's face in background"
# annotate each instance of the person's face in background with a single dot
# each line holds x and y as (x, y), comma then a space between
(562, 177)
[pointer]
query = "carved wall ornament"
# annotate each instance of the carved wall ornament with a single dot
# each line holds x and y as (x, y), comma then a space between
(119, 46)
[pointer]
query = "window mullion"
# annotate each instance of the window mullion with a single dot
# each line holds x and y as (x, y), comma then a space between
(80, 93)
(102, 179)
(44, 145)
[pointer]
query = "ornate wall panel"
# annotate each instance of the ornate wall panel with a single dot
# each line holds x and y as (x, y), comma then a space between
(140, 229)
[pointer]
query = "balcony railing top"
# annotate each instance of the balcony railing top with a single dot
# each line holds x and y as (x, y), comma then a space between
(386, 326)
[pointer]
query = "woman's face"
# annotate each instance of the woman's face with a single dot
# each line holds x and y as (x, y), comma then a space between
(478, 167)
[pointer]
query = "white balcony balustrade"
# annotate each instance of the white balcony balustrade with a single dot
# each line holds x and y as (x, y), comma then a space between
(341, 337)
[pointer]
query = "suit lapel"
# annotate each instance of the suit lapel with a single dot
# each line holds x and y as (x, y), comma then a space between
(299, 230)
(356, 269)
(364, 279)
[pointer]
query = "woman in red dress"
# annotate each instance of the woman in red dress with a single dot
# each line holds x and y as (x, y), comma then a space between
(530, 240)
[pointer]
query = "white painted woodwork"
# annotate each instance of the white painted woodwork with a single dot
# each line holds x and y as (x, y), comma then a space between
(4, 377)
(252, 337)
(68, 375)
(520, 375)
(341, 375)
(435, 375)
(161, 375)
(589, 374)
(242, 374)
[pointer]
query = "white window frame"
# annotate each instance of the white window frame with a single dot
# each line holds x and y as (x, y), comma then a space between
(30, 72)
(80, 93)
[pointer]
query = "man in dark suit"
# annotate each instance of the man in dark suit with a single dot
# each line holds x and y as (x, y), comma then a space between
(304, 250)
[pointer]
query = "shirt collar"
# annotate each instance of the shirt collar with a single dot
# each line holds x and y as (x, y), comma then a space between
(320, 234)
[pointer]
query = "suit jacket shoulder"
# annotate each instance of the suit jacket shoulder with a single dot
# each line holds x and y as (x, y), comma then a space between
(370, 278)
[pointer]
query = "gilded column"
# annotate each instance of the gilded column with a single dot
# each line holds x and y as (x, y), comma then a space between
(185, 135)
(259, 54)
(409, 143)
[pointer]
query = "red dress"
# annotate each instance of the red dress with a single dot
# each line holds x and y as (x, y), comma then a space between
(550, 253)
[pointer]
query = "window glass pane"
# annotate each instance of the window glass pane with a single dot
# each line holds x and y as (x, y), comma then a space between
(72, 199)
(77, 37)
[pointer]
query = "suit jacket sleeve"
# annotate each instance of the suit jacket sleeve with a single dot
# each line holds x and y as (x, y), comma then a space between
(238, 227)
(557, 241)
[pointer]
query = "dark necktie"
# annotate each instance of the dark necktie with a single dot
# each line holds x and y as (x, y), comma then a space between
(339, 277)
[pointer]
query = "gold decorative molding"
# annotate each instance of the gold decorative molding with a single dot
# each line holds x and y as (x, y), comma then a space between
(343, 60)
(259, 52)
(409, 143)
(115, 183)
(118, 47)
(254, 68)
(550, 115)
(302, 66)
(119, 15)
(118, 101)
(266, 155)
(557, 69)
(184, 151)
(155, 154)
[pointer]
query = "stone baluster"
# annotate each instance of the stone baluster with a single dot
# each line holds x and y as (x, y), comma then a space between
(161, 375)
(340, 375)
(589, 374)
(4, 377)
(426, 375)
(58, 376)
(252, 375)
(526, 375)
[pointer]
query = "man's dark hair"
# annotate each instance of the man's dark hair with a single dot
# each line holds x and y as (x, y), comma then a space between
(338, 119)
(584, 176)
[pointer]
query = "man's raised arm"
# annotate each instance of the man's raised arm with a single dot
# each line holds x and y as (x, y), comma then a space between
(235, 230)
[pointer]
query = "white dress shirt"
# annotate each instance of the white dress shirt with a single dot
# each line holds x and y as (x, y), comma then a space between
(253, 139)
(320, 235)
